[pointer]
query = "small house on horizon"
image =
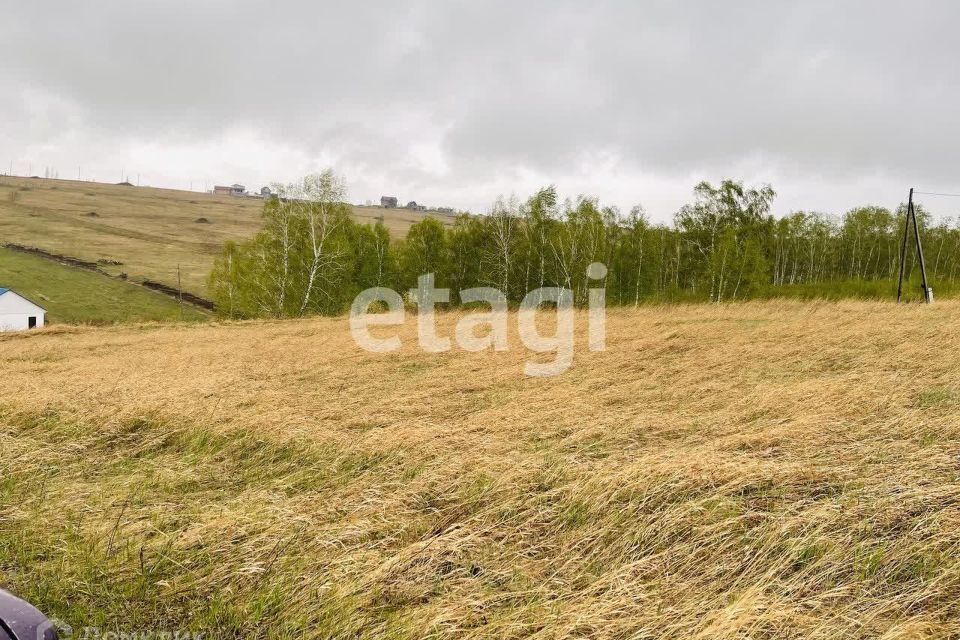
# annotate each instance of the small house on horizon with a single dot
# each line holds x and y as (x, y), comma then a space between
(232, 190)
(18, 313)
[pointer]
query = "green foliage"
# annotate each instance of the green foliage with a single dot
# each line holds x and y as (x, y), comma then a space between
(724, 246)
(309, 258)
(723, 231)
(426, 250)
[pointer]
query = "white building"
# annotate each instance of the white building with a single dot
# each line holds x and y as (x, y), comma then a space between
(17, 313)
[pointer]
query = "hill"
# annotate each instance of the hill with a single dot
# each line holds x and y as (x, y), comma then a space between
(72, 295)
(778, 469)
(150, 231)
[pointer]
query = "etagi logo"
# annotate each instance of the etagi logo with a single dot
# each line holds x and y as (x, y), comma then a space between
(426, 297)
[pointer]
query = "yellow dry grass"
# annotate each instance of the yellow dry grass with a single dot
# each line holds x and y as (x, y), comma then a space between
(761, 470)
(150, 230)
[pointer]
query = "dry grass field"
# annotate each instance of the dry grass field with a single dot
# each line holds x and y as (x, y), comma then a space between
(760, 470)
(149, 230)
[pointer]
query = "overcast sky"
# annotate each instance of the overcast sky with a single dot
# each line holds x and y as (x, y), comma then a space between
(451, 103)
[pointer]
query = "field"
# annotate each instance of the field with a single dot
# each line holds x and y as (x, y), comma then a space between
(72, 295)
(150, 231)
(762, 470)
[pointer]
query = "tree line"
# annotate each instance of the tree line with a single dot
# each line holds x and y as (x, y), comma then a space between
(311, 257)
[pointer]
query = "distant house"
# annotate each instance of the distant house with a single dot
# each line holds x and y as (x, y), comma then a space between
(17, 313)
(265, 192)
(413, 206)
(232, 190)
(388, 202)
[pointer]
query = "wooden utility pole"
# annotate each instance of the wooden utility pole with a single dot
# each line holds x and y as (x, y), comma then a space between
(912, 216)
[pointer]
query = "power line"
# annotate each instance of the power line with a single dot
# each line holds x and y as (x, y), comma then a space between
(932, 193)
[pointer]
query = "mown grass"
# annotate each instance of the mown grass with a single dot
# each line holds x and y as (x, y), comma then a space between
(791, 471)
(129, 575)
(75, 296)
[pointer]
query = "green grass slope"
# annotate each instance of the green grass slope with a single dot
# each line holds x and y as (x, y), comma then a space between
(75, 296)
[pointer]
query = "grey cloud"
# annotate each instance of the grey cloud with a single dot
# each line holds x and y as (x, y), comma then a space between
(818, 95)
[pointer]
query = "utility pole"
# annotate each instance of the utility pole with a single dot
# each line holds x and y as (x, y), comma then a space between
(912, 216)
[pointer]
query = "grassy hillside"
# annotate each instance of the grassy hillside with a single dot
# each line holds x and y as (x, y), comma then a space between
(774, 469)
(150, 231)
(73, 295)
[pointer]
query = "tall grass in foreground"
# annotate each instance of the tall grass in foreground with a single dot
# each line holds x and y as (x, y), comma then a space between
(776, 469)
